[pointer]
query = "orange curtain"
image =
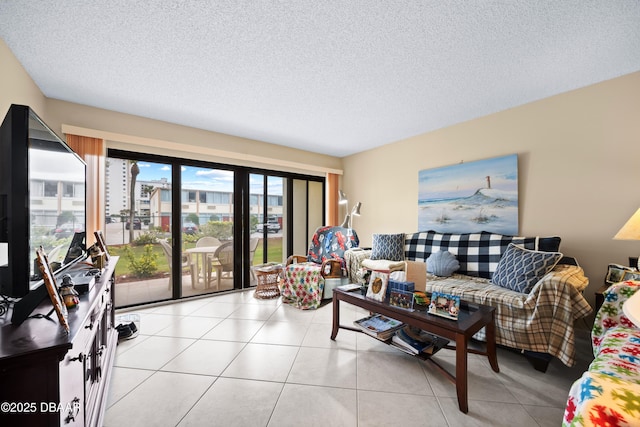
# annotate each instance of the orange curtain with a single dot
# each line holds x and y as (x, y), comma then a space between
(332, 199)
(93, 152)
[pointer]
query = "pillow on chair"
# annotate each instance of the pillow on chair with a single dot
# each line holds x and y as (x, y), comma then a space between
(388, 246)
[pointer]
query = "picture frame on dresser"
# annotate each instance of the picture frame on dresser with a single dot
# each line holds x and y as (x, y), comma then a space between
(631, 275)
(616, 273)
(102, 245)
(52, 288)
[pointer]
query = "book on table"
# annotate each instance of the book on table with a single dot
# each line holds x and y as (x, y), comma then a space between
(416, 341)
(349, 287)
(379, 326)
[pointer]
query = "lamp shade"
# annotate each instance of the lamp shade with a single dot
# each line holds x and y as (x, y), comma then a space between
(342, 198)
(356, 209)
(631, 229)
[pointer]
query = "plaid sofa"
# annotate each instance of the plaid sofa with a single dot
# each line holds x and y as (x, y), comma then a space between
(541, 321)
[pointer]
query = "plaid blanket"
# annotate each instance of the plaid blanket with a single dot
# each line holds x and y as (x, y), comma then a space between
(540, 321)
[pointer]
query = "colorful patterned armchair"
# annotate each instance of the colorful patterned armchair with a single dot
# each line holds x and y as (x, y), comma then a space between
(608, 393)
(303, 285)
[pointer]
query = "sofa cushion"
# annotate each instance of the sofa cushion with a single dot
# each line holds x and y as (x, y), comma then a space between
(388, 246)
(383, 265)
(548, 244)
(442, 263)
(477, 253)
(520, 269)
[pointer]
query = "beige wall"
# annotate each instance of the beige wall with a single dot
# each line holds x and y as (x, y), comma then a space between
(158, 137)
(578, 166)
(16, 86)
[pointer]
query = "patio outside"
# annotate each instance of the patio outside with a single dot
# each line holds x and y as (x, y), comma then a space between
(147, 278)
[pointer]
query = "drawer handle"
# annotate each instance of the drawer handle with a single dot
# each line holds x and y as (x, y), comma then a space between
(89, 326)
(73, 411)
(80, 358)
(101, 350)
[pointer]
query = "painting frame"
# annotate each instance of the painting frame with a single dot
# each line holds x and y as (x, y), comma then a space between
(52, 288)
(470, 197)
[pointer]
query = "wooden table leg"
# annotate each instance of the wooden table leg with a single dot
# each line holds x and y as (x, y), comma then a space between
(336, 317)
(461, 372)
(490, 331)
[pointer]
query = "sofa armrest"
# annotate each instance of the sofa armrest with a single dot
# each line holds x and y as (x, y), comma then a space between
(562, 275)
(610, 314)
(295, 259)
(331, 268)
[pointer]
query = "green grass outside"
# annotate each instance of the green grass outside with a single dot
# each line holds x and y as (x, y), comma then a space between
(274, 253)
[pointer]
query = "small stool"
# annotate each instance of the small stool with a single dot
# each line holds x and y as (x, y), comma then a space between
(267, 275)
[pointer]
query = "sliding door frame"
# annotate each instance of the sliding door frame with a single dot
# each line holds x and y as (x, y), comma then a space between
(241, 209)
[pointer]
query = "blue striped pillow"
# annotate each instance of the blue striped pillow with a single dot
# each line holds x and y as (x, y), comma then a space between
(388, 247)
(520, 269)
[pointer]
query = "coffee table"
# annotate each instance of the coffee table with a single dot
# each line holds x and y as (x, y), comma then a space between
(471, 319)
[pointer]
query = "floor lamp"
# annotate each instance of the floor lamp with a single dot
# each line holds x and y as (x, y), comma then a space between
(348, 219)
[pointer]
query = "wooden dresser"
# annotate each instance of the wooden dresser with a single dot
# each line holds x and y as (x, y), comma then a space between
(51, 378)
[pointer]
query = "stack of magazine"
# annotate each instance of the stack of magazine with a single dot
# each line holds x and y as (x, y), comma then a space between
(379, 326)
(415, 341)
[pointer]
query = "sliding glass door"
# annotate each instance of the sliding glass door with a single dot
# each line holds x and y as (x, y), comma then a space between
(207, 227)
(307, 212)
(138, 228)
(185, 228)
(267, 219)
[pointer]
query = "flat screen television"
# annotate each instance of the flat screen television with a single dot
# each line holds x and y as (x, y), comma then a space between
(42, 201)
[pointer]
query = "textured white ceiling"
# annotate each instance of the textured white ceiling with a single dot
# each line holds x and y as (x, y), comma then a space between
(334, 77)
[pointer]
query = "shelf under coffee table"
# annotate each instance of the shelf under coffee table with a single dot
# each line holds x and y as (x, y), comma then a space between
(471, 319)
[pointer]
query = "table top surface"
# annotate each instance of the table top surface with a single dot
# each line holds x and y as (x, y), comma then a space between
(470, 313)
(268, 268)
(202, 249)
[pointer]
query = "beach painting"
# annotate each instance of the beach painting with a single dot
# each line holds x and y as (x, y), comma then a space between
(470, 197)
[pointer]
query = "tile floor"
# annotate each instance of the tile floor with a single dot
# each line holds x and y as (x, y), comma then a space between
(233, 360)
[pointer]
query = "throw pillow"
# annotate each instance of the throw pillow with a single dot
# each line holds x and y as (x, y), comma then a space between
(520, 269)
(442, 263)
(388, 246)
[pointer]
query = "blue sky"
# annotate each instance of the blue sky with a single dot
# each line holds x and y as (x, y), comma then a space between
(206, 179)
(463, 179)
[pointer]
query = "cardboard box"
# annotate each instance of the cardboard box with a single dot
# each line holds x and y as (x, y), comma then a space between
(400, 286)
(417, 273)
